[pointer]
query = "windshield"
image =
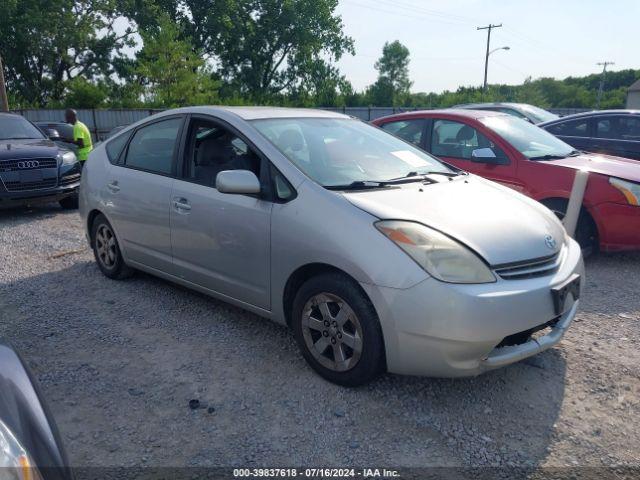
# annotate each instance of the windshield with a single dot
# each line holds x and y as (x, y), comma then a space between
(13, 127)
(334, 151)
(533, 142)
(538, 114)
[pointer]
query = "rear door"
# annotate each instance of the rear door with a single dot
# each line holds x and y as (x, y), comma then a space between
(618, 135)
(138, 192)
(577, 133)
(468, 148)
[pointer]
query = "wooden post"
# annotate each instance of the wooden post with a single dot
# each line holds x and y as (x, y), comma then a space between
(4, 102)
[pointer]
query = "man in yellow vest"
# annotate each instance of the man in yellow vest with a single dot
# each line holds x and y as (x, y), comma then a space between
(81, 135)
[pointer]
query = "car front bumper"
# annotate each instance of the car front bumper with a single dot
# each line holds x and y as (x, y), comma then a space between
(14, 199)
(451, 330)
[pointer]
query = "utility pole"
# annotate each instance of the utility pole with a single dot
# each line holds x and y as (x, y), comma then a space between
(4, 103)
(488, 28)
(601, 88)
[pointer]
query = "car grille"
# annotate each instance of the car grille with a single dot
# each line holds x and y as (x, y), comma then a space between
(30, 164)
(70, 179)
(24, 186)
(538, 267)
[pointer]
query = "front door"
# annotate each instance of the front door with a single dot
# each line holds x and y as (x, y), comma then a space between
(618, 135)
(138, 193)
(220, 241)
(467, 148)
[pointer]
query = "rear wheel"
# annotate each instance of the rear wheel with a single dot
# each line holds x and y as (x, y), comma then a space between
(107, 251)
(586, 231)
(337, 330)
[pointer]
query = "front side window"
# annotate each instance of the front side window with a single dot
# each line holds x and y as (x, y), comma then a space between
(570, 128)
(533, 142)
(409, 130)
(152, 147)
(458, 140)
(114, 147)
(619, 128)
(14, 127)
(212, 148)
(336, 151)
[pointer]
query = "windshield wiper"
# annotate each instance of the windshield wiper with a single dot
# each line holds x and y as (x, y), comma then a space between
(575, 153)
(420, 177)
(549, 157)
(357, 185)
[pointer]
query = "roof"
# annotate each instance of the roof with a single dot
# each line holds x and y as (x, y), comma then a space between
(488, 104)
(635, 86)
(459, 112)
(592, 113)
(255, 113)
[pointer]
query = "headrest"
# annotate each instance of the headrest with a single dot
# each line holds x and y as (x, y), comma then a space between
(213, 151)
(465, 133)
(291, 139)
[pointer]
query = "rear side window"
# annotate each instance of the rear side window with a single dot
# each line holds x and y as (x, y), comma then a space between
(152, 147)
(570, 128)
(619, 128)
(114, 147)
(409, 130)
(458, 140)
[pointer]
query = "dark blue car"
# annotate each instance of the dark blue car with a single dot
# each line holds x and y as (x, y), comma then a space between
(612, 132)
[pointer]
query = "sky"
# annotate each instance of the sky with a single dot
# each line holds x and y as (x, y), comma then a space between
(547, 38)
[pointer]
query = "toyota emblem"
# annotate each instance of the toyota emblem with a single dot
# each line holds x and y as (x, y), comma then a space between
(550, 242)
(28, 164)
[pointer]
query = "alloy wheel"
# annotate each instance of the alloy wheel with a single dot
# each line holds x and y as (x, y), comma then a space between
(332, 332)
(106, 247)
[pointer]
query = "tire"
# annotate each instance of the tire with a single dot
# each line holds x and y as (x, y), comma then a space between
(69, 203)
(586, 231)
(337, 330)
(106, 250)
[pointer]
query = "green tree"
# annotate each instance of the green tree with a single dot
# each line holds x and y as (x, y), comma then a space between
(80, 93)
(267, 47)
(393, 82)
(170, 72)
(45, 43)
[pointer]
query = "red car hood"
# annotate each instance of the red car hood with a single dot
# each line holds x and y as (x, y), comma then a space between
(603, 164)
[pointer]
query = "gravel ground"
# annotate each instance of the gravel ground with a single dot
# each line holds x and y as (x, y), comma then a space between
(119, 363)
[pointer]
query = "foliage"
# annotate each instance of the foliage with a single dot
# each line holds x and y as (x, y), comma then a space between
(46, 43)
(171, 72)
(393, 84)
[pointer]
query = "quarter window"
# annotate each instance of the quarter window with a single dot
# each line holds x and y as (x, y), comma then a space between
(212, 148)
(570, 128)
(152, 147)
(409, 130)
(619, 128)
(458, 140)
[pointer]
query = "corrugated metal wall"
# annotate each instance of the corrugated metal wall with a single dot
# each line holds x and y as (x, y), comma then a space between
(101, 122)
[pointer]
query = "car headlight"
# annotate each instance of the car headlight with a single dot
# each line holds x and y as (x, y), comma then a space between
(68, 158)
(630, 190)
(14, 460)
(439, 255)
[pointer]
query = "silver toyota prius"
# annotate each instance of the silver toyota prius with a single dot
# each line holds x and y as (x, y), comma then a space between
(377, 255)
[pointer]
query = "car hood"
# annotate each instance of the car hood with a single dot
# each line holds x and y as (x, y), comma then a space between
(27, 148)
(499, 224)
(603, 164)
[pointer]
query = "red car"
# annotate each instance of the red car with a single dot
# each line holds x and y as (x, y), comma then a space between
(517, 154)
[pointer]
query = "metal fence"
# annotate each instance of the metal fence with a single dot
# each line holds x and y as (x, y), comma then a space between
(101, 122)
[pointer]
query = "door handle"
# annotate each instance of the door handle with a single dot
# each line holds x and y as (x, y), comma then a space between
(113, 186)
(181, 204)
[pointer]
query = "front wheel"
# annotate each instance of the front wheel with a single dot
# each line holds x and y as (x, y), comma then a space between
(107, 251)
(337, 330)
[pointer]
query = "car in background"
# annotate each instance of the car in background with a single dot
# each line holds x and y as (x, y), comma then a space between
(610, 132)
(375, 253)
(30, 446)
(33, 169)
(528, 159)
(525, 111)
(59, 132)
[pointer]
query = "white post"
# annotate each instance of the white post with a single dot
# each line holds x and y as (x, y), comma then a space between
(575, 201)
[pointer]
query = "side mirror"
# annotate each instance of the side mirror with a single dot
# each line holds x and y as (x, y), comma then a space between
(483, 155)
(27, 431)
(238, 182)
(53, 134)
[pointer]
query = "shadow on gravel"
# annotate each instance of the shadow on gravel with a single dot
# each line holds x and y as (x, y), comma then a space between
(26, 214)
(120, 361)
